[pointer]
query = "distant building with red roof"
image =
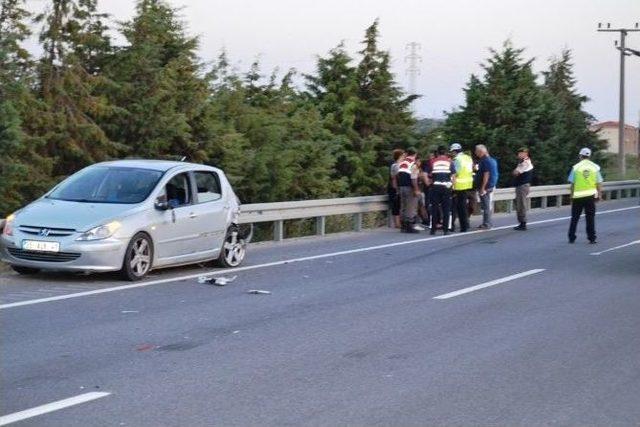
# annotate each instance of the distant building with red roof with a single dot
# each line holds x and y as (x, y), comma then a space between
(608, 131)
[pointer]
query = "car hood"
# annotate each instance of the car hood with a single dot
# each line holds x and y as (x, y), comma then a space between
(80, 216)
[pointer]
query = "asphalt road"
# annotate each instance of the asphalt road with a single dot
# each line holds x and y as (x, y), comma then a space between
(359, 329)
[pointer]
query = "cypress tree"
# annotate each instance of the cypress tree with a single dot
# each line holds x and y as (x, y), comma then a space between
(24, 172)
(161, 93)
(504, 109)
(569, 122)
(74, 47)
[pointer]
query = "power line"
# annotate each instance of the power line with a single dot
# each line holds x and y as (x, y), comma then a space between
(624, 52)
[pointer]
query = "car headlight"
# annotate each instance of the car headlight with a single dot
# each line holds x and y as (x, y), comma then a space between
(8, 225)
(101, 232)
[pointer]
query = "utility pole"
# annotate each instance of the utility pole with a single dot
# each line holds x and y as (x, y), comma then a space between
(413, 58)
(623, 53)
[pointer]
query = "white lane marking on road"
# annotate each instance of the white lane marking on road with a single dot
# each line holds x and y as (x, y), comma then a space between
(278, 263)
(50, 407)
(635, 242)
(488, 284)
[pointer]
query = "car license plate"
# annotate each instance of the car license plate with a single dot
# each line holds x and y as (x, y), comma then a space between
(35, 245)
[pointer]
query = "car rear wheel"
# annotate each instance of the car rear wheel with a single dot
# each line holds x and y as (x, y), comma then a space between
(138, 258)
(233, 250)
(24, 270)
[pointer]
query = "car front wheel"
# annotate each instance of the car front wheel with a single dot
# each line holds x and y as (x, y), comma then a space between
(137, 258)
(233, 250)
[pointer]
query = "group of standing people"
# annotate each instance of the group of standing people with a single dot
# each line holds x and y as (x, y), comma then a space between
(444, 188)
(434, 192)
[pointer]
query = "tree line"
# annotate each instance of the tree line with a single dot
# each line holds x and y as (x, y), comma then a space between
(86, 99)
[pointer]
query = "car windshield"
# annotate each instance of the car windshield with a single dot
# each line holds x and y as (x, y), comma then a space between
(102, 184)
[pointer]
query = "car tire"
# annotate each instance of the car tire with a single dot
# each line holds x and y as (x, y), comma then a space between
(24, 270)
(234, 249)
(138, 259)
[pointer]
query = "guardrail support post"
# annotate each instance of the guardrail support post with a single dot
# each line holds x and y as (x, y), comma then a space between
(510, 206)
(320, 225)
(278, 230)
(558, 201)
(357, 222)
(543, 202)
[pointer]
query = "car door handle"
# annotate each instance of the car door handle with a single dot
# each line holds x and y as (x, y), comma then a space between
(192, 215)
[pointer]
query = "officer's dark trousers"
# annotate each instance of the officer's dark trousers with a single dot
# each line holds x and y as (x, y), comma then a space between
(440, 205)
(461, 208)
(588, 204)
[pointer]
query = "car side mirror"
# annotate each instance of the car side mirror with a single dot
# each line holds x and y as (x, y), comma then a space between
(161, 205)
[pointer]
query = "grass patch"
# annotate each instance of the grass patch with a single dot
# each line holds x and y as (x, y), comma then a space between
(611, 172)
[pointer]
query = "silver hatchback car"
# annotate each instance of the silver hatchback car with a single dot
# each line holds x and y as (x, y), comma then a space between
(129, 216)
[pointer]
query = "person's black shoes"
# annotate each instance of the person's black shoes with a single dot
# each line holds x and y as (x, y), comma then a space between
(521, 227)
(573, 240)
(409, 227)
(410, 230)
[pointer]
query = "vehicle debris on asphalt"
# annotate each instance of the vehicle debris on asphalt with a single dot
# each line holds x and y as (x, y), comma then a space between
(217, 281)
(258, 292)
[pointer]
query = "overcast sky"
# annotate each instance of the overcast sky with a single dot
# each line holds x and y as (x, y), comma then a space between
(454, 34)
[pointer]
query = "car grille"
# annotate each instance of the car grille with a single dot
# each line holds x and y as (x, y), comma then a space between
(43, 256)
(46, 231)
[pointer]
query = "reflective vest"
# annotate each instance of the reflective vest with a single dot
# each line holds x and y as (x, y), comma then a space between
(440, 171)
(585, 179)
(404, 171)
(407, 164)
(464, 172)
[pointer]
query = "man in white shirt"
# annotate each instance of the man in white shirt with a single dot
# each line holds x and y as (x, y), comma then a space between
(407, 178)
(522, 174)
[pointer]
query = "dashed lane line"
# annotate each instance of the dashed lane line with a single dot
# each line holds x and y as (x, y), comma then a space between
(615, 248)
(489, 284)
(51, 407)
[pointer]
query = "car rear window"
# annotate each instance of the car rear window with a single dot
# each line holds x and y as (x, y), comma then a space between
(208, 185)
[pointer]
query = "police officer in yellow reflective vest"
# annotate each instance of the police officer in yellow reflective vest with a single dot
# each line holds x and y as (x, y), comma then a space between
(463, 185)
(586, 188)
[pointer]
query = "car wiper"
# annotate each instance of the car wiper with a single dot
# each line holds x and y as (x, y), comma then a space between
(84, 201)
(75, 200)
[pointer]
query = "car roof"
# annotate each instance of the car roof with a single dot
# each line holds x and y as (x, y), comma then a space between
(159, 165)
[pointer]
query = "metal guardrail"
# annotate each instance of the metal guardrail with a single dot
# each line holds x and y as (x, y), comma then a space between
(357, 206)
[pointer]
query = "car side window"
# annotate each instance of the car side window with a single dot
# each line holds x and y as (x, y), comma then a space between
(208, 186)
(178, 191)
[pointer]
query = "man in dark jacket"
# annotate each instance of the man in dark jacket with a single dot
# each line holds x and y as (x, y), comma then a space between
(442, 174)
